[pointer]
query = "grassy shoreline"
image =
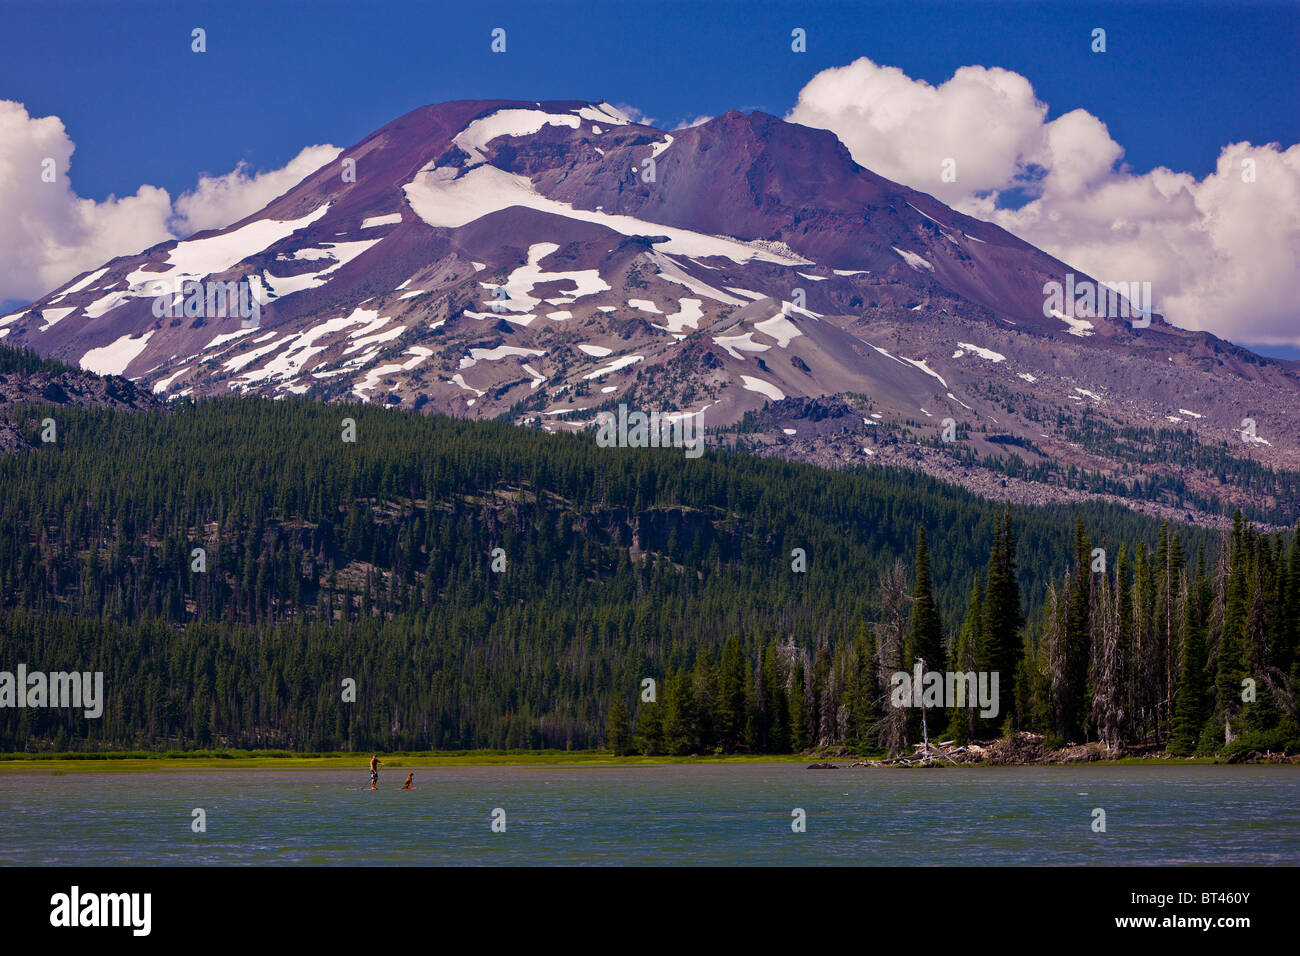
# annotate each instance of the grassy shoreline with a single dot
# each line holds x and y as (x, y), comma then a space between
(252, 760)
(137, 761)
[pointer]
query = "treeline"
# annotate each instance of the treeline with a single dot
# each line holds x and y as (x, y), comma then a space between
(488, 586)
(1144, 652)
(22, 359)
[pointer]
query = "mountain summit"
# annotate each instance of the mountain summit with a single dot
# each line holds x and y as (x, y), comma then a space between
(548, 260)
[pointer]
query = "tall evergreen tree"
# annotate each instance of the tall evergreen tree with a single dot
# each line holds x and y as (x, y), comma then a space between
(679, 734)
(619, 727)
(733, 711)
(925, 630)
(1002, 618)
(1231, 658)
(1189, 702)
(650, 727)
(798, 710)
(965, 659)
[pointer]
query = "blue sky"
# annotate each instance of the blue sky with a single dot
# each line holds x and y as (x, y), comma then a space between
(1178, 82)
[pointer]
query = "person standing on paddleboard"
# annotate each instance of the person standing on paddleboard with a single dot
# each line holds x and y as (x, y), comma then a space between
(375, 764)
(409, 777)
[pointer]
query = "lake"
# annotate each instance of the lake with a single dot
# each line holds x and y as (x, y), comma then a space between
(668, 814)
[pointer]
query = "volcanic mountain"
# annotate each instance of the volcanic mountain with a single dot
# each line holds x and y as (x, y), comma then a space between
(545, 261)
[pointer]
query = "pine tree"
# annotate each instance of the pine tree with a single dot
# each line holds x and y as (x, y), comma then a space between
(732, 703)
(1189, 697)
(650, 728)
(776, 704)
(1002, 619)
(1230, 665)
(965, 659)
(619, 728)
(704, 688)
(798, 710)
(925, 630)
(679, 737)
(1078, 638)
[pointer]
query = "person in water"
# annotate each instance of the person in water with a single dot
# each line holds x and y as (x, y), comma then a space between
(409, 777)
(375, 764)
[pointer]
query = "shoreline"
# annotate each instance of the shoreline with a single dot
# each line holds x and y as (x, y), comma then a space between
(137, 763)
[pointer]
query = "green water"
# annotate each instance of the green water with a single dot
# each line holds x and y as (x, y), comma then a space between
(706, 814)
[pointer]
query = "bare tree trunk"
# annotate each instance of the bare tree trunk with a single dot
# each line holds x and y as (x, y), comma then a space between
(891, 730)
(1056, 656)
(1107, 677)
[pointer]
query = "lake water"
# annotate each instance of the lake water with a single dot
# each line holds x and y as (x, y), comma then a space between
(673, 814)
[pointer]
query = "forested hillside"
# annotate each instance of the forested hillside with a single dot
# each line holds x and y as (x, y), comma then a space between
(376, 560)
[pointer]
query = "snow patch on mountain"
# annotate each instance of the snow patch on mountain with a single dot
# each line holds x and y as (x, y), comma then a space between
(779, 328)
(163, 384)
(79, 285)
(1079, 327)
(603, 113)
(377, 339)
(492, 355)
(925, 368)
(989, 354)
(614, 366)
(912, 259)
(106, 304)
(735, 344)
(222, 339)
(671, 270)
(371, 381)
(931, 218)
(341, 252)
(763, 388)
(197, 258)
(507, 122)
(112, 359)
(444, 200)
(519, 284)
(688, 315)
(53, 317)
(459, 379)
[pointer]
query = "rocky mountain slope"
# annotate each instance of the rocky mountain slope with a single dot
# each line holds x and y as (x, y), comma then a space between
(546, 261)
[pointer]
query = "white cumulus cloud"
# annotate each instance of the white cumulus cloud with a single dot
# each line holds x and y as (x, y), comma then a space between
(635, 114)
(218, 201)
(50, 234)
(1222, 252)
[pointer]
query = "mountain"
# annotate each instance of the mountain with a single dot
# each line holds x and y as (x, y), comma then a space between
(545, 261)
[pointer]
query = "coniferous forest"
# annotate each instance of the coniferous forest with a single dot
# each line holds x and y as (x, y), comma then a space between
(228, 565)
